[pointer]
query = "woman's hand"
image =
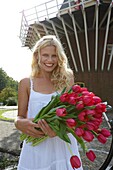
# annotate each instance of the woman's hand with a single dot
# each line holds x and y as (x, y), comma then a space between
(46, 128)
(28, 127)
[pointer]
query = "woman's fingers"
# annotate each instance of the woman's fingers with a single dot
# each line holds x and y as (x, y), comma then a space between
(46, 128)
(34, 130)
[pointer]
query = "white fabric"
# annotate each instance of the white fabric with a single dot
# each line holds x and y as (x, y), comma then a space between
(52, 154)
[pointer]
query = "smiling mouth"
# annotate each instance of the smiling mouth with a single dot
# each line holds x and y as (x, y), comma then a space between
(49, 65)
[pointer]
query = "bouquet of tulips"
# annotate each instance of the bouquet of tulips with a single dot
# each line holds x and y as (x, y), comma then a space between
(78, 112)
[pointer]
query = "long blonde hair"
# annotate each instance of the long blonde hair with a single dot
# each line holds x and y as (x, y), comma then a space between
(62, 74)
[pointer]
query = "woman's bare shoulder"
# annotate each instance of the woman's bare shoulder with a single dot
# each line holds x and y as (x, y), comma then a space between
(25, 82)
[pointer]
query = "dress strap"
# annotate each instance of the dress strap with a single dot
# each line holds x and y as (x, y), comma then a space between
(31, 84)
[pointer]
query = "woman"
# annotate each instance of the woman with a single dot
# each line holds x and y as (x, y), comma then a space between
(49, 76)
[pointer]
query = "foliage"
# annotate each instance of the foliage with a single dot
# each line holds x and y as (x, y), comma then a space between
(11, 101)
(6, 81)
(6, 93)
(8, 88)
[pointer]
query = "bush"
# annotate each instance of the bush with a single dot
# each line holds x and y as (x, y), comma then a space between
(11, 101)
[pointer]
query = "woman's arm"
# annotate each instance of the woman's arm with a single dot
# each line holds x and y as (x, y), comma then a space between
(22, 123)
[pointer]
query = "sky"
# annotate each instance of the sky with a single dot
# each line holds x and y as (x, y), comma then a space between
(15, 60)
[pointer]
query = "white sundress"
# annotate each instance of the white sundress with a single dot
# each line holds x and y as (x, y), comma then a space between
(53, 153)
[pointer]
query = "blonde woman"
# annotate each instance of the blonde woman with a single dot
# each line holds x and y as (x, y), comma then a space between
(50, 74)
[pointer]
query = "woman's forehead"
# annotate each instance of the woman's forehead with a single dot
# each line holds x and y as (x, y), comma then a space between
(48, 48)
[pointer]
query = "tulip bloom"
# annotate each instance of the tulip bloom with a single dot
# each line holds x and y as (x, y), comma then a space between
(91, 155)
(101, 138)
(105, 132)
(80, 105)
(96, 99)
(79, 131)
(87, 99)
(88, 136)
(90, 126)
(64, 97)
(76, 88)
(71, 123)
(75, 162)
(61, 112)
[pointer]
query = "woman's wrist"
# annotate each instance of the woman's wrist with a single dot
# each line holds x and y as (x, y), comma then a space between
(16, 121)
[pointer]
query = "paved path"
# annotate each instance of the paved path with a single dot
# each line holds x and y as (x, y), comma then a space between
(9, 135)
(9, 139)
(10, 114)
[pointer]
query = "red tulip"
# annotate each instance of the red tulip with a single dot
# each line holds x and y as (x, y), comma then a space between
(83, 116)
(90, 126)
(90, 112)
(80, 105)
(101, 138)
(96, 99)
(88, 136)
(75, 162)
(91, 155)
(84, 89)
(76, 88)
(105, 132)
(71, 123)
(87, 99)
(72, 100)
(79, 131)
(100, 107)
(64, 97)
(61, 112)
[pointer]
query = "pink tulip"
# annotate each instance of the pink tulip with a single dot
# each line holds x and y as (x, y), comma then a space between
(90, 126)
(72, 100)
(75, 162)
(84, 89)
(91, 155)
(71, 123)
(101, 138)
(90, 112)
(61, 112)
(100, 107)
(87, 99)
(81, 116)
(64, 97)
(88, 136)
(80, 105)
(98, 115)
(84, 93)
(79, 131)
(105, 132)
(96, 99)
(76, 88)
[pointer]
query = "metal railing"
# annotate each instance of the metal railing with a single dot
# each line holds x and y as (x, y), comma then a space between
(49, 10)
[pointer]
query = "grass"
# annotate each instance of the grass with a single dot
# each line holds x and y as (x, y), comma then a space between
(1, 114)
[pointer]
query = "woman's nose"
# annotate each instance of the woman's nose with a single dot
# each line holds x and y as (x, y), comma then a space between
(50, 58)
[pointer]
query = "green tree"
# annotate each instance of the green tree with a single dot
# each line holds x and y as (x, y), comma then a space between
(3, 79)
(6, 81)
(7, 93)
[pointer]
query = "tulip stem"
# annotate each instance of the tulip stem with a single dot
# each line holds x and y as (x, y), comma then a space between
(69, 149)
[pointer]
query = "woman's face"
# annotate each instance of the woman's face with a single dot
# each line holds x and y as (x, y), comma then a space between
(48, 58)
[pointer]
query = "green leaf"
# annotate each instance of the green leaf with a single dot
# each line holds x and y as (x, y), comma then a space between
(79, 139)
(61, 132)
(70, 90)
(63, 91)
(90, 107)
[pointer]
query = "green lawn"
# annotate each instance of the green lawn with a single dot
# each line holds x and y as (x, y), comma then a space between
(2, 117)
